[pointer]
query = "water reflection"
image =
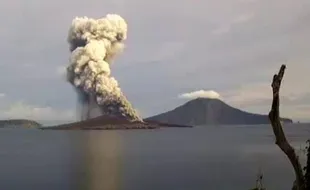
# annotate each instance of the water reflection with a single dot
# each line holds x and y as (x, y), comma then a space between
(102, 161)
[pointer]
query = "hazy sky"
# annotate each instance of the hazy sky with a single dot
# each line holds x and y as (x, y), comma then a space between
(232, 47)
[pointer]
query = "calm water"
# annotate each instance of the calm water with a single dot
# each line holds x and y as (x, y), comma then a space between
(219, 158)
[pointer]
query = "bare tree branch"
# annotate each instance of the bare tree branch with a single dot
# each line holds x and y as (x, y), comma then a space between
(279, 133)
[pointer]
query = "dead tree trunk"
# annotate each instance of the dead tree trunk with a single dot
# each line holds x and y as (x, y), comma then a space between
(279, 133)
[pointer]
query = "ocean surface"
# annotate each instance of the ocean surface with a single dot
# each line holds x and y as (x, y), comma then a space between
(201, 158)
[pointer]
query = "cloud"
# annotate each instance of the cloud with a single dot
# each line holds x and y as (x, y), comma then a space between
(247, 95)
(257, 98)
(61, 70)
(21, 110)
(222, 29)
(200, 94)
(169, 50)
(261, 93)
(226, 26)
(2, 95)
(243, 18)
(301, 112)
(248, 1)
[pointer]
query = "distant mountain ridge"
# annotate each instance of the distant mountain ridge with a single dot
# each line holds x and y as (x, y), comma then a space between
(206, 111)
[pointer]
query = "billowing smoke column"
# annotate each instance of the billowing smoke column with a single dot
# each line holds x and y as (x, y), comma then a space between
(94, 44)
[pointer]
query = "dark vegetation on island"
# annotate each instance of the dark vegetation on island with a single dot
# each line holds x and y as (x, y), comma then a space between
(111, 122)
(19, 123)
(206, 111)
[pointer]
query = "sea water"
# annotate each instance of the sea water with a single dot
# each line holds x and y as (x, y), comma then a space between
(200, 158)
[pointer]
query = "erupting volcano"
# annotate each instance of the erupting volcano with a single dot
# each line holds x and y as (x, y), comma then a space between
(93, 45)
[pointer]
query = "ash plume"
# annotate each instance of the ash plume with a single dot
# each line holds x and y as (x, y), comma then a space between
(93, 45)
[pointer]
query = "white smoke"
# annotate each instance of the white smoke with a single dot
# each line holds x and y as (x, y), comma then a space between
(201, 94)
(94, 44)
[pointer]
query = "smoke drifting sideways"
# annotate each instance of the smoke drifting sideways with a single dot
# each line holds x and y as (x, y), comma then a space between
(93, 45)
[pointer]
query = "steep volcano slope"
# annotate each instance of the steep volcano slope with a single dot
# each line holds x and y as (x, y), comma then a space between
(205, 111)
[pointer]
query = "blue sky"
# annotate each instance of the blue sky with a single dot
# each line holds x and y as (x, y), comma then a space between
(232, 47)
